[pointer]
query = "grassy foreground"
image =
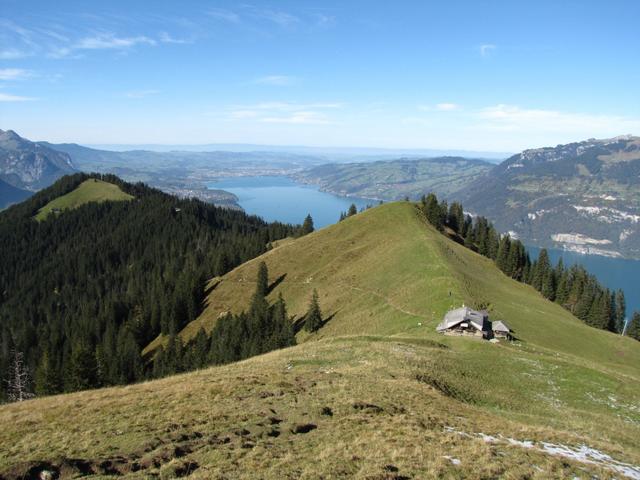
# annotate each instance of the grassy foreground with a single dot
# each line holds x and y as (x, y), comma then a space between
(92, 190)
(375, 394)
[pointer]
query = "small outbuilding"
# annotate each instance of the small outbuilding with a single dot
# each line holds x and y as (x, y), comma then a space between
(466, 321)
(501, 330)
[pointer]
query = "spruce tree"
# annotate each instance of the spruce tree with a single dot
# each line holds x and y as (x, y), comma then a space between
(620, 310)
(313, 317)
(633, 327)
(262, 282)
(433, 211)
(47, 381)
(83, 368)
(353, 210)
(307, 226)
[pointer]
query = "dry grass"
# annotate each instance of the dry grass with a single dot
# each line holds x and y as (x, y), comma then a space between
(223, 420)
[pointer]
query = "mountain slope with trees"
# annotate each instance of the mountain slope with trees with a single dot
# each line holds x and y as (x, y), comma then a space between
(83, 291)
(583, 196)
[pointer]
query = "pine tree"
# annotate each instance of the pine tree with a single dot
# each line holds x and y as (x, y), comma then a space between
(307, 226)
(620, 310)
(47, 381)
(456, 218)
(433, 211)
(83, 369)
(502, 258)
(353, 210)
(313, 317)
(262, 282)
(633, 327)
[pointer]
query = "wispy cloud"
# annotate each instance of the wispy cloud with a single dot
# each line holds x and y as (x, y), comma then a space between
(6, 97)
(486, 49)
(225, 15)
(299, 118)
(141, 93)
(280, 18)
(164, 37)
(441, 107)
(512, 118)
(276, 80)
(14, 74)
(12, 54)
(285, 112)
(111, 41)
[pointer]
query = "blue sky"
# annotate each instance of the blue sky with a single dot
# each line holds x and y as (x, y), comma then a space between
(478, 75)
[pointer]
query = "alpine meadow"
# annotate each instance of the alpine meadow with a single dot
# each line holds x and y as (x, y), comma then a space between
(284, 240)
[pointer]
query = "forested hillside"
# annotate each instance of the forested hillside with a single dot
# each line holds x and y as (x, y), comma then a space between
(83, 291)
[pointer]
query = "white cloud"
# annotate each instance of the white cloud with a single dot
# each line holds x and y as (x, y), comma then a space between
(225, 15)
(110, 41)
(6, 97)
(447, 107)
(486, 48)
(299, 118)
(141, 93)
(441, 107)
(285, 112)
(164, 37)
(14, 74)
(280, 18)
(276, 80)
(12, 54)
(512, 118)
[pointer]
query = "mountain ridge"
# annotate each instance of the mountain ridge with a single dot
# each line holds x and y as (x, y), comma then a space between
(30, 165)
(583, 196)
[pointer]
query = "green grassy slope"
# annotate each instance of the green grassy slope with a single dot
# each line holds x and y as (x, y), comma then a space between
(404, 402)
(92, 190)
(384, 272)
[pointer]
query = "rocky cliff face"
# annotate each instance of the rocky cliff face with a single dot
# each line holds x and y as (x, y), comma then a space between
(28, 165)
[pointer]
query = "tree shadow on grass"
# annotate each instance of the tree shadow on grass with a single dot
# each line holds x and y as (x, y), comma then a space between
(275, 283)
(298, 323)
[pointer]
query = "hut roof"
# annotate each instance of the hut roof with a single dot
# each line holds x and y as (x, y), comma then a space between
(463, 314)
(500, 326)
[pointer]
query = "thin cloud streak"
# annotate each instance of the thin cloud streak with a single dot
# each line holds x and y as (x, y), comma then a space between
(6, 97)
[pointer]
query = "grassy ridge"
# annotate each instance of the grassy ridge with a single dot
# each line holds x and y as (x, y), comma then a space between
(92, 190)
(384, 271)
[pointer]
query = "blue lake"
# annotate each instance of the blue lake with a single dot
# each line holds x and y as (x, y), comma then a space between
(285, 200)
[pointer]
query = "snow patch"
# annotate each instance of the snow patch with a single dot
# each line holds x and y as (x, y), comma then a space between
(582, 453)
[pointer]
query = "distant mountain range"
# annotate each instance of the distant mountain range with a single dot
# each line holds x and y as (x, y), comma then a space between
(582, 196)
(397, 179)
(28, 165)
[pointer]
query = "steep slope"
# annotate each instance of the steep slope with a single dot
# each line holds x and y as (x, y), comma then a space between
(395, 179)
(103, 278)
(375, 394)
(28, 165)
(10, 194)
(583, 196)
(91, 190)
(384, 272)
